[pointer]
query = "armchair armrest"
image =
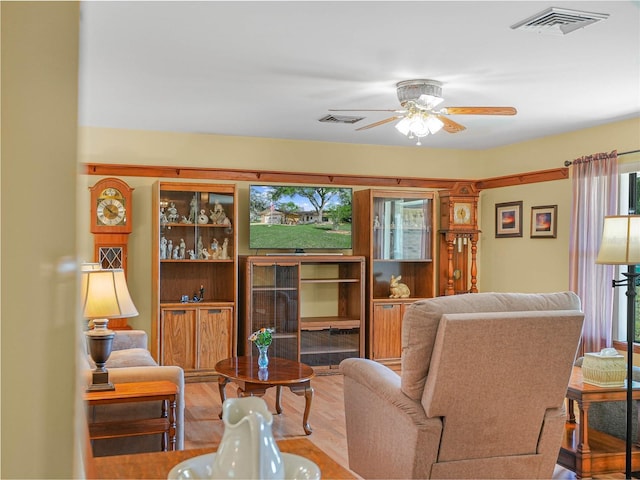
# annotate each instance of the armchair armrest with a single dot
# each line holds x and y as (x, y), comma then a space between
(375, 407)
(383, 382)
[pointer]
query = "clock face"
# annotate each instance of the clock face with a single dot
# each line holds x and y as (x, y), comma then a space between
(111, 209)
(462, 213)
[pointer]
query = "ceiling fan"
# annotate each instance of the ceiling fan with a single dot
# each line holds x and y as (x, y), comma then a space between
(419, 116)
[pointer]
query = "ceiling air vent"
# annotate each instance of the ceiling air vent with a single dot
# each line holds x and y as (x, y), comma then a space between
(559, 21)
(340, 119)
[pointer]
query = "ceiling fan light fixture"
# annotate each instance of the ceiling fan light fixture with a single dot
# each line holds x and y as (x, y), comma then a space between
(403, 126)
(429, 101)
(418, 126)
(434, 124)
(415, 90)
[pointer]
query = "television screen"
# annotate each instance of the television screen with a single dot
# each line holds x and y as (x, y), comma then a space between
(299, 217)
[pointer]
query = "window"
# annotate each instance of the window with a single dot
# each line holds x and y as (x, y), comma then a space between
(629, 192)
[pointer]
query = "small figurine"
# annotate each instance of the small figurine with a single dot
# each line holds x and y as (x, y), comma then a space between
(163, 248)
(215, 250)
(176, 253)
(185, 220)
(173, 216)
(193, 212)
(169, 248)
(192, 254)
(218, 215)
(225, 245)
(200, 247)
(202, 218)
(205, 254)
(376, 222)
(201, 292)
(397, 289)
(163, 217)
(183, 248)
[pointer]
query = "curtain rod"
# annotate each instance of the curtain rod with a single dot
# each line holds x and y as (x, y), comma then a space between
(567, 163)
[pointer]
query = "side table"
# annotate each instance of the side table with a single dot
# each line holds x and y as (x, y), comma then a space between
(591, 452)
(164, 391)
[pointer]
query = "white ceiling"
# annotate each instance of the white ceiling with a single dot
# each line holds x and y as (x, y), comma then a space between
(272, 69)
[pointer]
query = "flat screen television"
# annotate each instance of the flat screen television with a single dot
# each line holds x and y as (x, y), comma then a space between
(299, 218)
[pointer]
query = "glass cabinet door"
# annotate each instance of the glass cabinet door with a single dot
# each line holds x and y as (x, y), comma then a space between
(402, 228)
(274, 290)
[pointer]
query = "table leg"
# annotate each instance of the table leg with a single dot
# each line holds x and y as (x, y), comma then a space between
(165, 436)
(222, 382)
(172, 424)
(583, 451)
(307, 391)
(571, 411)
(278, 399)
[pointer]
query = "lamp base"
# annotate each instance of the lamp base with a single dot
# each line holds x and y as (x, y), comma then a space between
(100, 382)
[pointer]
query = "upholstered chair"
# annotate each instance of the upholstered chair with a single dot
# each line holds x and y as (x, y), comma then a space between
(480, 393)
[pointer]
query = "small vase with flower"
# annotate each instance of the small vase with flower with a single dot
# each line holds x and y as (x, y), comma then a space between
(262, 339)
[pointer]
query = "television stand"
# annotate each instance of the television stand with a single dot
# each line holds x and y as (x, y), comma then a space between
(314, 302)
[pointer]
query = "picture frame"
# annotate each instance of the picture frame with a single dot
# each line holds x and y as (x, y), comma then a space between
(509, 219)
(544, 221)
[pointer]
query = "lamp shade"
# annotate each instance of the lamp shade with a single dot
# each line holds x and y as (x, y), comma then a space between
(620, 241)
(105, 295)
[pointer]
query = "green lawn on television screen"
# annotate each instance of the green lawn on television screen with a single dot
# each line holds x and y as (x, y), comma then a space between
(323, 235)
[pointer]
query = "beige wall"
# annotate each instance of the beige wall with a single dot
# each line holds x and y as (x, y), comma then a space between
(38, 238)
(505, 264)
(539, 265)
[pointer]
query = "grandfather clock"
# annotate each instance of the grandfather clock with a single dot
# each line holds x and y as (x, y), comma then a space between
(458, 240)
(111, 224)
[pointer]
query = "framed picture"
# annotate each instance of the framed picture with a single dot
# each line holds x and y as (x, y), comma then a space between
(508, 219)
(544, 221)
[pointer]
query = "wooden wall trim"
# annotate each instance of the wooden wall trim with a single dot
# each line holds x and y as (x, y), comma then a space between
(523, 178)
(105, 169)
(265, 176)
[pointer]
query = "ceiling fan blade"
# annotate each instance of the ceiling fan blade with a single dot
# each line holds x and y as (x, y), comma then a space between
(366, 110)
(451, 126)
(479, 111)
(381, 122)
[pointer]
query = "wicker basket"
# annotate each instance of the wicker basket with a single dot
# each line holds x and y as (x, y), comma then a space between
(604, 371)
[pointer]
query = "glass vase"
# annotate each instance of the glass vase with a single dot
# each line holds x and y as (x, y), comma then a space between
(263, 356)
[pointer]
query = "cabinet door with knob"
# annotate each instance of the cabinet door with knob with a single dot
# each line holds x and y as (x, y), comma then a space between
(386, 338)
(195, 337)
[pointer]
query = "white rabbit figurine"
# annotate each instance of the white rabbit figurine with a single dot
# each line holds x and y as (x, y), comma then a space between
(397, 289)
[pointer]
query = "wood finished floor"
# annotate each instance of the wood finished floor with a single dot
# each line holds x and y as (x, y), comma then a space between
(203, 428)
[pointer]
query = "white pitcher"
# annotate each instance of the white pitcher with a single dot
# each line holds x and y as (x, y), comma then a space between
(247, 449)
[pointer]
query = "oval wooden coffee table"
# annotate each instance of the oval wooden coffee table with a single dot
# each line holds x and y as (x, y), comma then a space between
(251, 380)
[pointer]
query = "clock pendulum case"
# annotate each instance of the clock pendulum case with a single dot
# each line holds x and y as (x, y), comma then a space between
(458, 240)
(111, 224)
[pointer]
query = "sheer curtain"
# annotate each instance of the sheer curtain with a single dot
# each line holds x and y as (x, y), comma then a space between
(595, 195)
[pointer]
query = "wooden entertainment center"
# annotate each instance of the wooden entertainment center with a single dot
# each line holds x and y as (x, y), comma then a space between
(195, 335)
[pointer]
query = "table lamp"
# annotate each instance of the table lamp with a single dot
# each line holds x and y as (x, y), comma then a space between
(621, 246)
(104, 295)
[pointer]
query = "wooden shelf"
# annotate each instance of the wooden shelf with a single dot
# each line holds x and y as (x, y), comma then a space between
(322, 323)
(130, 428)
(607, 452)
